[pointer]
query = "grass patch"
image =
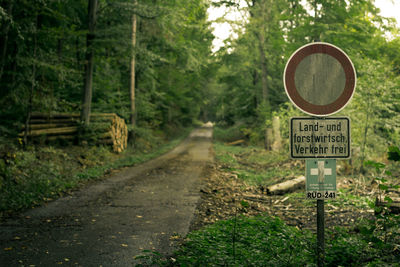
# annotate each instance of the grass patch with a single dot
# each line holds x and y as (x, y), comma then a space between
(256, 241)
(254, 165)
(346, 198)
(268, 241)
(38, 174)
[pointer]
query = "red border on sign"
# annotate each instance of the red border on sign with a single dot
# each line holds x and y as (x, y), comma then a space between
(290, 86)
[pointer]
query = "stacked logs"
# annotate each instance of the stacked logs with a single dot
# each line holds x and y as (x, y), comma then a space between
(105, 128)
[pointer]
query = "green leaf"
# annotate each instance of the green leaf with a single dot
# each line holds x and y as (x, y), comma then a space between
(376, 165)
(394, 153)
(383, 187)
(388, 199)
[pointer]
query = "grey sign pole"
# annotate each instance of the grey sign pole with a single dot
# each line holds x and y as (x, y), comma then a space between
(321, 217)
(320, 232)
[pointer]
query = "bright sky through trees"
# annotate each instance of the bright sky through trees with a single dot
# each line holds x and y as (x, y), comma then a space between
(224, 30)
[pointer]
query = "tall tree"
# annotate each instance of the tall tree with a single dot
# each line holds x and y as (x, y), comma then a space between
(88, 81)
(133, 74)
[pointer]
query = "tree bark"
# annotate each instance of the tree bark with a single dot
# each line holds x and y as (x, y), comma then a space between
(4, 40)
(33, 83)
(265, 103)
(88, 82)
(133, 76)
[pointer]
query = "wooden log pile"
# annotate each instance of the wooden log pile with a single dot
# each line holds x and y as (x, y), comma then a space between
(104, 128)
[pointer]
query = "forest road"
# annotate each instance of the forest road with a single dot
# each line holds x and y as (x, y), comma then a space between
(108, 223)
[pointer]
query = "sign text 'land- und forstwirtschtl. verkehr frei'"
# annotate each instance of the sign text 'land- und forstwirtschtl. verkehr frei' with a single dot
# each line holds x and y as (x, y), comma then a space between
(320, 138)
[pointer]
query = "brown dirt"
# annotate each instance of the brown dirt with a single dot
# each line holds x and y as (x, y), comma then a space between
(223, 196)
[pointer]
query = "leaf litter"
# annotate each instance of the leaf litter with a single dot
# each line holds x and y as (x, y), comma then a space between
(224, 196)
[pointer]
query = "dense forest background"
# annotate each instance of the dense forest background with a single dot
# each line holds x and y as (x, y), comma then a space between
(151, 63)
(53, 52)
(249, 80)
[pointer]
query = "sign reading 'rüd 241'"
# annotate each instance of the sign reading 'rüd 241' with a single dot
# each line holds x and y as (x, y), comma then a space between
(320, 137)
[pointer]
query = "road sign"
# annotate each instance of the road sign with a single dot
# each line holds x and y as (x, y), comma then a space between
(319, 79)
(320, 137)
(321, 178)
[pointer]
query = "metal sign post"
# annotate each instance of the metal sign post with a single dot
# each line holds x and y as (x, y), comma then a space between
(320, 232)
(320, 79)
(320, 185)
(321, 216)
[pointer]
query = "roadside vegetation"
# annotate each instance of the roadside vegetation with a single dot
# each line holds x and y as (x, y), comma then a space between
(151, 62)
(37, 174)
(266, 240)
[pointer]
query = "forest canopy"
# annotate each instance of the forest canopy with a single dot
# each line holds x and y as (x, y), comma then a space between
(151, 63)
(249, 84)
(54, 51)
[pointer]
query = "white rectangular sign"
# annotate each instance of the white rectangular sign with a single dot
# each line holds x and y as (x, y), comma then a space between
(320, 137)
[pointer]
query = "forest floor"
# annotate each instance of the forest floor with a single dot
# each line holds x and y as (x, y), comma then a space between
(225, 195)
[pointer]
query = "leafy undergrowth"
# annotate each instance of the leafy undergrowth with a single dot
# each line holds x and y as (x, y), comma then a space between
(244, 241)
(255, 166)
(268, 241)
(236, 224)
(42, 173)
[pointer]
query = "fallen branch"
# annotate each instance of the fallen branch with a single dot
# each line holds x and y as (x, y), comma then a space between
(235, 143)
(287, 186)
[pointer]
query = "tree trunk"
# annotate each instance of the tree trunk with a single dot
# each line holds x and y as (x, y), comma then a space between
(33, 83)
(364, 142)
(87, 90)
(4, 40)
(265, 103)
(133, 76)
(276, 129)
(264, 72)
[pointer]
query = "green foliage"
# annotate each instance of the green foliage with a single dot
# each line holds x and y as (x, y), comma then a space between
(267, 241)
(43, 48)
(31, 177)
(258, 241)
(253, 164)
(281, 27)
(151, 258)
(229, 134)
(374, 109)
(383, 232)
(348, 249)
(394, 153)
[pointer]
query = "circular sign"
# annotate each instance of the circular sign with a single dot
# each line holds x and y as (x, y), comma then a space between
(319, 79)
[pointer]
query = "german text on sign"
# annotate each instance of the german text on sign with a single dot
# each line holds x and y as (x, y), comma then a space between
(320, 138)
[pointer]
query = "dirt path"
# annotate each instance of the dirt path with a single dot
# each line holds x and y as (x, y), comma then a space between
(110, 222)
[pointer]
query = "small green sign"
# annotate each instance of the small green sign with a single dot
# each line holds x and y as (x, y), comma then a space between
(321, 178)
